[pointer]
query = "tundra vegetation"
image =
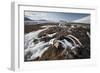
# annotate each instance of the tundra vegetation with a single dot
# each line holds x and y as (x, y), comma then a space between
(56, 41)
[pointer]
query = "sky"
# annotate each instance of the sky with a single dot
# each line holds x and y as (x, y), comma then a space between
(54, 16)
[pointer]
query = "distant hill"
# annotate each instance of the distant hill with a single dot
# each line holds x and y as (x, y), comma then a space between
(85, 20)
(27, 19)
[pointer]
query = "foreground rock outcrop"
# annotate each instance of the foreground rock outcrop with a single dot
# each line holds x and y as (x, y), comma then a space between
(68, 42)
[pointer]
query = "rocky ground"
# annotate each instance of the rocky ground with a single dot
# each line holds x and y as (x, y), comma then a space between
(58, 43)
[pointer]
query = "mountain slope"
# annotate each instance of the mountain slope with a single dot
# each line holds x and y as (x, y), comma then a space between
(27, 19)
(83, 20)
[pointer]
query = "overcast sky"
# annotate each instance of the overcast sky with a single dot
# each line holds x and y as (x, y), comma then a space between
(54, 16)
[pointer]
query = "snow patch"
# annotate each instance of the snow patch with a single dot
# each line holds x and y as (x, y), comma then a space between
(83, 20)
(30, 37)
(38, 50)
(51, 35)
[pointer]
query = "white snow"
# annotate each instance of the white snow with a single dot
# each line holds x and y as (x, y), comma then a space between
(88, 34)
(51, 41)
(74, 46)
(38, 50)
(83, 20)
(65, 43)
(51, 35)
(29, 38)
